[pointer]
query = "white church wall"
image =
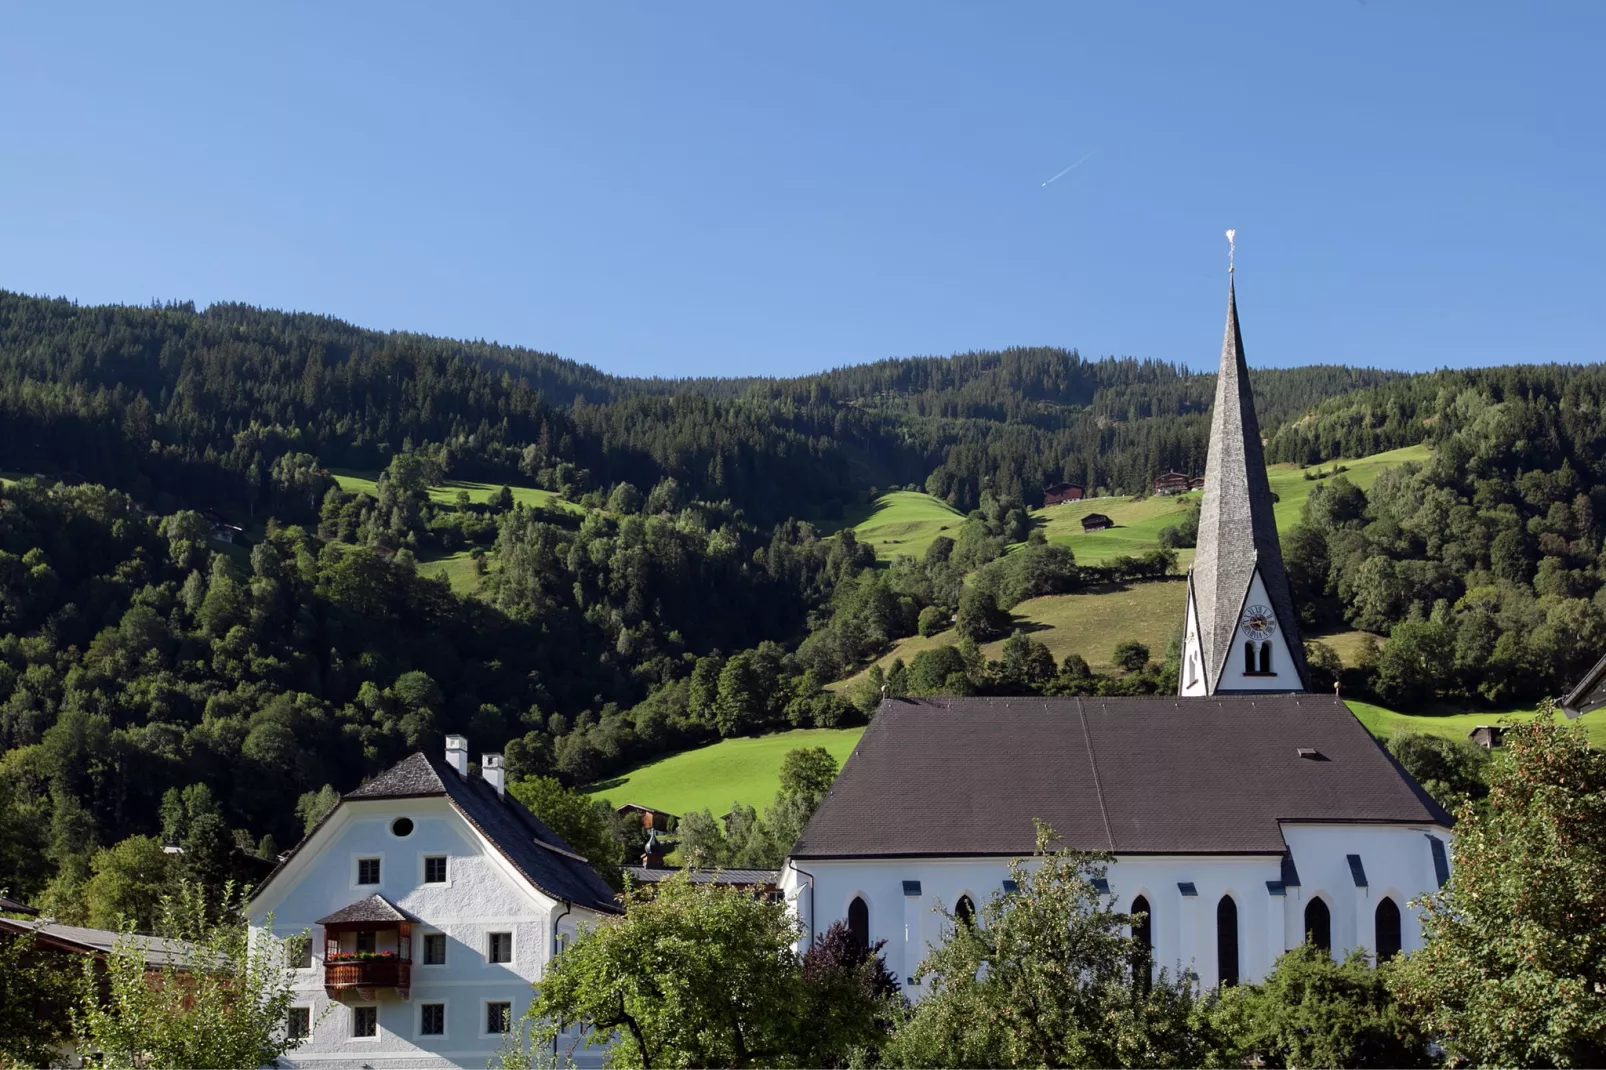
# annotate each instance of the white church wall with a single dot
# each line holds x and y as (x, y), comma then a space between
(1398, 862)
(483, 894)
(1233, 677)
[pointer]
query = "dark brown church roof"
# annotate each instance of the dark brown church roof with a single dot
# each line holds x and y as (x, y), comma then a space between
(1237, 531)
(1161, 775)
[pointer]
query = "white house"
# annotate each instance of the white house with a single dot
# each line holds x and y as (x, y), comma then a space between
(1242, 814)
(434, 900)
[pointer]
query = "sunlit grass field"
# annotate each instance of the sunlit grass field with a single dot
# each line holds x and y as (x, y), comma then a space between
(907, 522)
(743, 770)
(446, 494)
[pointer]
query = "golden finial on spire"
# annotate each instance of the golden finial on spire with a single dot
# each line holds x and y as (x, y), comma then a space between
(1232, 245)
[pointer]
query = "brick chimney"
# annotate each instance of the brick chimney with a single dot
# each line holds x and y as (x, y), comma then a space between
(491, 769)
(457, 754)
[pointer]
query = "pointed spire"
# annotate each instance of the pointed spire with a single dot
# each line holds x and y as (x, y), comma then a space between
(1237, 529)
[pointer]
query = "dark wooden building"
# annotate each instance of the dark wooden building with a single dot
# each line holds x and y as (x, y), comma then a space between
(1063, 492)
(1096, 522)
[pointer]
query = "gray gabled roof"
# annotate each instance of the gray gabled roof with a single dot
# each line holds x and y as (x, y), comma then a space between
(1153, 775)
(538, 853)
(1588, 694)
(156, 950)
(375, 908)
(1237, 530)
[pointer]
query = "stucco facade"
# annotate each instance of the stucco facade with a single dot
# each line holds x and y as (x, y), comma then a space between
(482, 895)
(1397, 863)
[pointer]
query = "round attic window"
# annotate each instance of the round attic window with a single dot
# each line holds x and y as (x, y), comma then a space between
(402, 826)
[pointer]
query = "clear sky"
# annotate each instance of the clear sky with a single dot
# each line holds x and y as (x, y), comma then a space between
(698, 189)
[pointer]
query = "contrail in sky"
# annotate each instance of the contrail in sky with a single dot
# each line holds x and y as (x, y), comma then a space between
(1073, 167)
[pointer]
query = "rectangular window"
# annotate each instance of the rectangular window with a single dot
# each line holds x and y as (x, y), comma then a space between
(365, 941)
(367, 871)
(434, 949)
(435, 869)
(300, 1023)
(298, 950)
(365, 1021)
(501, 948)
(498, 1017)
(432, 1019)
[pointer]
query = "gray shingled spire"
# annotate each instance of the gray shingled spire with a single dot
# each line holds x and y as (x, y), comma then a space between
(1237, 531)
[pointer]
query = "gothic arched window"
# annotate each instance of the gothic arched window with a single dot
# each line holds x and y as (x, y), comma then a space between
(1319, 925)
(859, 921)
(1227, 941)
(1388, 929)
(1143, 925)
(965, 911)
(1265, 658)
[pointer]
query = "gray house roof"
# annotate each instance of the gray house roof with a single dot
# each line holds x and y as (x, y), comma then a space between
(157, 950)
(1237, 531)
(1588, 694)
(533, 849)
(1160, 775)
(375, 908)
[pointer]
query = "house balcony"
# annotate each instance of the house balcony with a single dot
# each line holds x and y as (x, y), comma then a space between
(368, 946)
(365, 975)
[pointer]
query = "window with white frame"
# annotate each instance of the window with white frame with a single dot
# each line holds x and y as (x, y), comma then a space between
(367, 871)
(434, 949)
(498, 1017)
(432, 1019)
(299, 1023)
(365, 1021)
(435, 869)
(499, 947)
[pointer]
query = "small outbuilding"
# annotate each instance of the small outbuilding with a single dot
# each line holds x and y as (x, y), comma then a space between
(1096, 522)
(1487, 736)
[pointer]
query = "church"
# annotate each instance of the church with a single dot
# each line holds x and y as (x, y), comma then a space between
(1244, 815)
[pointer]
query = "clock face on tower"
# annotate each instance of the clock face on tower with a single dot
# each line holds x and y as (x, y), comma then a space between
(1258, 623)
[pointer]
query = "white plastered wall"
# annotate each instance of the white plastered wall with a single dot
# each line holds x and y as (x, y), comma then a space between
(1398, 862)
(483, 894)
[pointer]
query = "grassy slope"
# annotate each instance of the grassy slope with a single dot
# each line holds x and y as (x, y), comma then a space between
(906, 522)
(1384, 722)
(1138, 523)
(456, 569)
(364, 483)
(743, 770)
(1089, 623)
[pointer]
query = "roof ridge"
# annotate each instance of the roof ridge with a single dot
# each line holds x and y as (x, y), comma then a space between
(1093, 762)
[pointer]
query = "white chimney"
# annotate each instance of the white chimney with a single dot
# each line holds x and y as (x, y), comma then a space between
(457, 754)
(491, 769)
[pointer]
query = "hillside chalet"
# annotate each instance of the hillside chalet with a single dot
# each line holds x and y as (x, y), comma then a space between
(1060, 493)
(1096, 522)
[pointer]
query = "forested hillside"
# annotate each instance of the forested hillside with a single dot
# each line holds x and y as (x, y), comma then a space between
(160, 686)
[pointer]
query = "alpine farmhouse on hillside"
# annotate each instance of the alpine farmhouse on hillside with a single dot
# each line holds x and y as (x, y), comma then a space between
(1242, 814)
(434, 900)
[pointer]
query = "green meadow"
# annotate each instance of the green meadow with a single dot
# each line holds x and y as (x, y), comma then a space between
(906, 522)
(356, 482)
(744, 770)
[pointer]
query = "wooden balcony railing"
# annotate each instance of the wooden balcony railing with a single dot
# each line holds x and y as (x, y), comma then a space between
(373, 973)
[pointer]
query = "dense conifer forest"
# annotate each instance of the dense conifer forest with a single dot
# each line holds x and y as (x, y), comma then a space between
(695, 579)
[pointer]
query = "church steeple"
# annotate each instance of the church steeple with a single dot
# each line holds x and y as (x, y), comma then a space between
(1241, 632)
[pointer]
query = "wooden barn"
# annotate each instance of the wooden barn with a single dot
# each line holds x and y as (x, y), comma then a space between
(1096, 522)
(1063, 492)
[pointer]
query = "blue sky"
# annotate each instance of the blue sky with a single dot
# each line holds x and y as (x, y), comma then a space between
(697, 189)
